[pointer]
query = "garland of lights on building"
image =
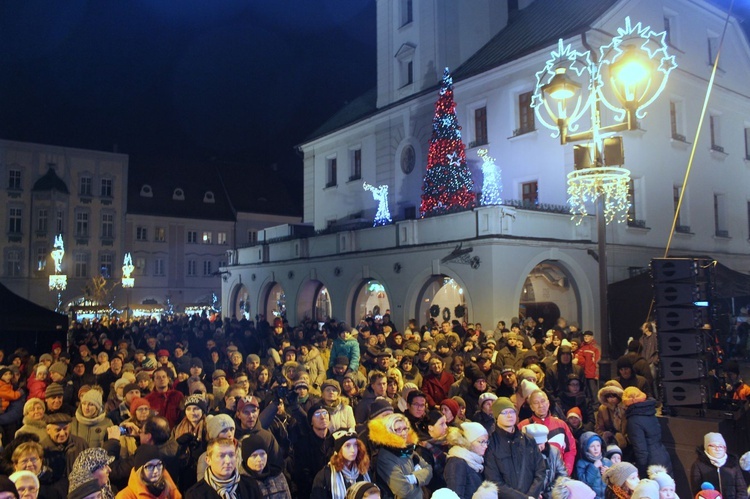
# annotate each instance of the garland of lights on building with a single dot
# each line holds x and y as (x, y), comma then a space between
(447, 182)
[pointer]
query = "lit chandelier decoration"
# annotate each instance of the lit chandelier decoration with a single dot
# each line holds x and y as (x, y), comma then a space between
(127, 269)
(58, 281)
(631, 71)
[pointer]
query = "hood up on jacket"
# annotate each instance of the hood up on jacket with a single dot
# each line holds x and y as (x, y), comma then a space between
(382, 437)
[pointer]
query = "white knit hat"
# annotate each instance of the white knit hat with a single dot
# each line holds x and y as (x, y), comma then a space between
(646, 489)
(659, 473)
(527, 388)
(473, 431)
(713, 438)
(486, 396)
(538, 432)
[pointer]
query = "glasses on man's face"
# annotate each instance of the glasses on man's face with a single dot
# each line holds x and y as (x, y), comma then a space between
(507, 412)
(28, 460)
(320, 414)
(419, 406)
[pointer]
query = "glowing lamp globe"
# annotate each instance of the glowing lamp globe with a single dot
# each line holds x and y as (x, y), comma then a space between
(561, 87)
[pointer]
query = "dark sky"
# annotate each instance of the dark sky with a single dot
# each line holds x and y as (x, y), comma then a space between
(171, 81)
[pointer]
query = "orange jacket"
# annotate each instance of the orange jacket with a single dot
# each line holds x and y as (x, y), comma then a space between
(7, 394)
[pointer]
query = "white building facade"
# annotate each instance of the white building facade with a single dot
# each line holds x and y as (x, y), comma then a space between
(528, 256)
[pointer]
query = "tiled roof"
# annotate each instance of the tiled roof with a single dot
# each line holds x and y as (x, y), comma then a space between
(537, 26)
(50, 182)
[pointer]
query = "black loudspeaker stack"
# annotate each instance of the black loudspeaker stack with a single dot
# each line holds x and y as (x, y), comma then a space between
(685, 317)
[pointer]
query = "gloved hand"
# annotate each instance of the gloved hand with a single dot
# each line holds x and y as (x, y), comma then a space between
(187, 439)
(411, 479)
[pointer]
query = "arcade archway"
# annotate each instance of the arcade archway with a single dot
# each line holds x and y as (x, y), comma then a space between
(314, 301)
(275, 302)
(370, 300)
(550, 292)
(442, 299)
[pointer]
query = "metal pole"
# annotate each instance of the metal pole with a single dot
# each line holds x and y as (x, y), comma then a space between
(601, 229)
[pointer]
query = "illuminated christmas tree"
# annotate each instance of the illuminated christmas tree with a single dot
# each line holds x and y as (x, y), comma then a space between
(447, 183)
(493, 181)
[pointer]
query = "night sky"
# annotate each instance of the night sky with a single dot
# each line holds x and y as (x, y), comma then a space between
(182, 81)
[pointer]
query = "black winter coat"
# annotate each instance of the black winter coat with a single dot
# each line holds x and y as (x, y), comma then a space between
(247, 489)
(461, 478)
(728, 479)
(514, 463)
(644, 434)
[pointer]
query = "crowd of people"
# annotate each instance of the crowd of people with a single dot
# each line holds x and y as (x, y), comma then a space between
(198, 408)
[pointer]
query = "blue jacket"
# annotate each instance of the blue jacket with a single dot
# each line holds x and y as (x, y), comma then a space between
(344, 348)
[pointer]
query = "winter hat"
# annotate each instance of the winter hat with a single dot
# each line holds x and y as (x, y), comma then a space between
(574, 411)
(330, 382)
(93, 397)
(433, 417)
(567, 488)
(609, 388)
(144, 454)
(148, 364)
(485, 397)
(60, 368)
(129, 387)
(708, 492)
(121, 383)
(136, 403)
(538, 432)
(128, 367)
(341, 437)
(252, 358)
(85, 489)
(460, 401)
(473, 373)
(219, 373)
(612, 449)
(29, 405)
(196, 362)
(659, 474)
(745, 461)
(248, 401)
(342, 361)
(360, 489)
(301, 384)
(646, 489)
(444, 493)
(162, 353)
(217, 424)
(473, 431)
(501, 404)
(142, 376)
(453, 405)
(408, 388)
(197, 388)
(54, 390)
(624, 361)
(527, 388)
(197, 400)
(487, 490)
(91, 459)
(617, 474)
(24, 474)
(378, 407)
(312, 410)
(128, 375)
(525, 373)
(632, 395)
(713, 438)
(6, 485)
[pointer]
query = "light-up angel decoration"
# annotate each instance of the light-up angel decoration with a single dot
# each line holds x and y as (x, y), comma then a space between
(380, 194)
(127, 269)
(492, 182)
(58, 280)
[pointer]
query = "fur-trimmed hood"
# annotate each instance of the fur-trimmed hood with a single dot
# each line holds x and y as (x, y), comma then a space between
(380, 436)
(607, 390)
(312, 354)
(488, 490)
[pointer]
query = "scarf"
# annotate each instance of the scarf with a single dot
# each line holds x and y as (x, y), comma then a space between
(154, 488)
(474, 460)
(226, 488)
(89, 421)
(341, 480)
(718, 462)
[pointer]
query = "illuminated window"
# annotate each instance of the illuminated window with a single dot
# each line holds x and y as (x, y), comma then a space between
(41, 258)
(221, 238)
(206, 238)
(105, 265)
(160, 234)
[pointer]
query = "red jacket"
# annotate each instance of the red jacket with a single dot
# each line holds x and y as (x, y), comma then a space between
(588, 356)
(36, 387)
(167, 404)
(560, 436)
(436, 387)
